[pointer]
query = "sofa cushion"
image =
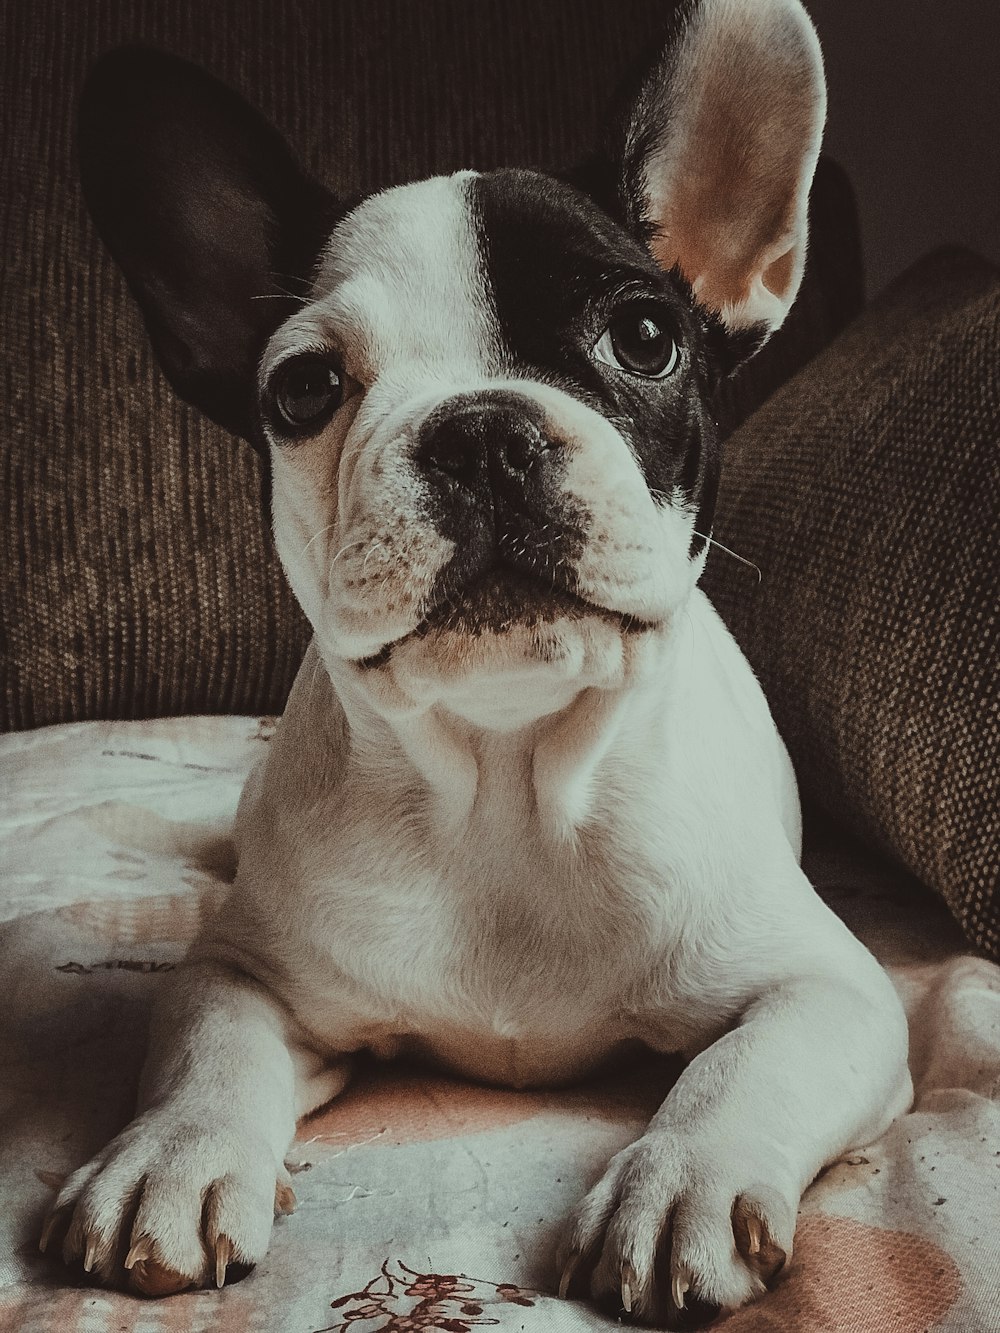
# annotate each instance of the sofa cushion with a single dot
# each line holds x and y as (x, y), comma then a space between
(867, 490)
(137, 574)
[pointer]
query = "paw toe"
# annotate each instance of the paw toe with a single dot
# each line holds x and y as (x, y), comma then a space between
(163, 1213)
(149, 1277)
(755, 1221)
(661, 1239)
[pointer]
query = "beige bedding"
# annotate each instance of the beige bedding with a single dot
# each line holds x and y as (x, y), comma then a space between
(425, 1202)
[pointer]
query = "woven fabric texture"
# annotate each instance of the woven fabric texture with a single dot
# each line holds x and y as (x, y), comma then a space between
(867, 490)
(137, 574)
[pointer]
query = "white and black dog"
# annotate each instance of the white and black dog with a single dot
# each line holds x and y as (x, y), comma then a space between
(527, 808)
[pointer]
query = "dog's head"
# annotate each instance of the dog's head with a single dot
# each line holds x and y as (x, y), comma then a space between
(485, 397)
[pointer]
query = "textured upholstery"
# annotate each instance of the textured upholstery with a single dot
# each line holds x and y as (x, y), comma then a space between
(137, 576)
(867, 490)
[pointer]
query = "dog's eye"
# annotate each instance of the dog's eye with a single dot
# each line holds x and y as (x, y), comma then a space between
(306, 392)
(637, 341)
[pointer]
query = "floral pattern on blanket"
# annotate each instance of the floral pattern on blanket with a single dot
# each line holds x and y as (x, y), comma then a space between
(409, 1301)
(114, 844)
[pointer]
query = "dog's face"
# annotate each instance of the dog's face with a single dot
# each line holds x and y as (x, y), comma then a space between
(488, 415)
(490, 438)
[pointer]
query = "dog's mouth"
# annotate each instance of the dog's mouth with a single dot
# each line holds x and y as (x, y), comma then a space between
(500, 600)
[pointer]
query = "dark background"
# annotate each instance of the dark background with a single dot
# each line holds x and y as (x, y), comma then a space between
(915, 118)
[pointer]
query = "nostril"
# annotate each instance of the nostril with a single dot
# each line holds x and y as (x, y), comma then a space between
(460, 463)
(451, 451)
(522, 449)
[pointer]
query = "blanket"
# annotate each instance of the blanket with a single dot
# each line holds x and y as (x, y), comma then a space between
(425, 1202)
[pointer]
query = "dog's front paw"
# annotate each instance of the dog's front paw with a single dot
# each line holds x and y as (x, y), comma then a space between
(169, 1204)
(672, 1235)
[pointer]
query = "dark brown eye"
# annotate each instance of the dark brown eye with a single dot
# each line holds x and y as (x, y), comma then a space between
(637, 340)
(306, 391)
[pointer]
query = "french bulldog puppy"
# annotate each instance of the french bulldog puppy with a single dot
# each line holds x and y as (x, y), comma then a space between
(527, 809)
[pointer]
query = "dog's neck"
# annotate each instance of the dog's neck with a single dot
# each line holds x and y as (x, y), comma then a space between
(467, 752)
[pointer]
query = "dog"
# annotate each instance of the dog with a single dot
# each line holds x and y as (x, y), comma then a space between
(527, 809)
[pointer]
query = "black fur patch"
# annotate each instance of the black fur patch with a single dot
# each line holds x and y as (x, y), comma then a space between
(499, 600)
(511, 523)
(558, 267)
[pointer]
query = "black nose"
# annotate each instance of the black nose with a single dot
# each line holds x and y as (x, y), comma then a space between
(484, 441)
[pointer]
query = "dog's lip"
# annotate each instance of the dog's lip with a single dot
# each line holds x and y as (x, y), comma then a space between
(571, 600)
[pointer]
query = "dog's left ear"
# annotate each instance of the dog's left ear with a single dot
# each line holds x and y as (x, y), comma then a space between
(719, 152)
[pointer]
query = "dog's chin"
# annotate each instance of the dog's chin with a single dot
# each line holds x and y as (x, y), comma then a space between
(509, 644)
(500, 603)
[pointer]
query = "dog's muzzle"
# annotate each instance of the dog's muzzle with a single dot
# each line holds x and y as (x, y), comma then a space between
(493, 474)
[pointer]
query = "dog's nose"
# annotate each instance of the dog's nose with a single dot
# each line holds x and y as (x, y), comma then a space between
(484, 441)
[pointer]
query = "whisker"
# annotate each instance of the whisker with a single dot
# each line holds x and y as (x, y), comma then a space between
(283, 293)
(741, 558)
(295, 279)
(344, 549)
(375, 546)
(315, 538)
(315, 674)
(281, 296)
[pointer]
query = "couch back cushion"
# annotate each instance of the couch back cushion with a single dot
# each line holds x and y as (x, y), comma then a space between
(867, 490)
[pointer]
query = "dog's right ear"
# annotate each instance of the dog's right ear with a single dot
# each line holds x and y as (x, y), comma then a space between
(717, 154)
(207, 212)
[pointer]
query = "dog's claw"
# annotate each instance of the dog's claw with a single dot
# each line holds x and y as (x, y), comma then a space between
(678, 1287)
(284, 1200)
(759, 1250)
(567, 1274)
(629, 1280)
(47, 1230)
(90, 1253)
(140, 1253)
(223, 1254)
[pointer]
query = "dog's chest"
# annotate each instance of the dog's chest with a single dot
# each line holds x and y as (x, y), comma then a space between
(495, 967)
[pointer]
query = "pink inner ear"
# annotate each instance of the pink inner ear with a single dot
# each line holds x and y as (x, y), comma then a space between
(780, 273)
(723, 258)
(727, 185)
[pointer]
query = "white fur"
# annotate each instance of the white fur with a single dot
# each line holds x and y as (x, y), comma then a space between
(516, 855)
(514, 947)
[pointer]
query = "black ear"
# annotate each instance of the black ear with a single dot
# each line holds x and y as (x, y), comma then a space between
(212, 220)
